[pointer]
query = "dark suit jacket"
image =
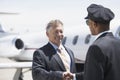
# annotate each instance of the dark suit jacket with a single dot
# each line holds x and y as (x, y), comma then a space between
(103, 59)
(47, 65)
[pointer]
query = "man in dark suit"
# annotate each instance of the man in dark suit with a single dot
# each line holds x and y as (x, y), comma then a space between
(103, 56)
(48, 63)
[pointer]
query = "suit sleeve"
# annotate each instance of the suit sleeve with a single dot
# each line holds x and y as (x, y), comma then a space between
(39, 70)
(79, 76)
(94, 65)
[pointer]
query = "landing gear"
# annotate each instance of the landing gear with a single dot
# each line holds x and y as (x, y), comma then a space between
(18, 74)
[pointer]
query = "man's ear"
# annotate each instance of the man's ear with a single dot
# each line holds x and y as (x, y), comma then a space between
(95, 24)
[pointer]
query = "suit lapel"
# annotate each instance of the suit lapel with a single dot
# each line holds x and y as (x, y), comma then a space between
(56, 57)
(59, 61)
(71, 58)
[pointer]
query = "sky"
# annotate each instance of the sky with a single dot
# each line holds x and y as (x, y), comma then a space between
(33, 15)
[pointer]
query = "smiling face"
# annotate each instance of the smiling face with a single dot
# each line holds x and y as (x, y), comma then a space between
(55, 33)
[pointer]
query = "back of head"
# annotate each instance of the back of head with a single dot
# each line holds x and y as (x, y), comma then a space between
(99, 14)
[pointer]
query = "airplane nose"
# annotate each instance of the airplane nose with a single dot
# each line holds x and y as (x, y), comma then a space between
(19, 44)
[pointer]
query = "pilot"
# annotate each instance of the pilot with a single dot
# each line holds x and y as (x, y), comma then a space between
(103, 56)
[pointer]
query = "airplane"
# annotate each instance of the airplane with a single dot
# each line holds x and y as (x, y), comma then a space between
(20, 48)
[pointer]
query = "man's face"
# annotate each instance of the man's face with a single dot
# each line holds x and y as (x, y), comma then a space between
(55, 34)
(92, 26)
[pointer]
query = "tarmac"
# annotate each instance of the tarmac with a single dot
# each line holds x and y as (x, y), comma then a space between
(8, 74)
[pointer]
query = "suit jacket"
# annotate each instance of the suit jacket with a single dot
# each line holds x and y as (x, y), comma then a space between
(47, 65)
(103, 59)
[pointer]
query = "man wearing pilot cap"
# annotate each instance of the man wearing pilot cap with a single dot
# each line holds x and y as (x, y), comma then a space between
(99, 13)
(103, 56)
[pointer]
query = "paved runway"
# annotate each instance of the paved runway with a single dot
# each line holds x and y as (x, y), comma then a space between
(8, 74)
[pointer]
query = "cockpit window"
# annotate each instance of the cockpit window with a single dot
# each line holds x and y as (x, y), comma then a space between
(64, 40)
(87, 39)
(75, 40)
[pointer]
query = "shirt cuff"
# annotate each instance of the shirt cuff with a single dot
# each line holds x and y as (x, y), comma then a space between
(74, 77)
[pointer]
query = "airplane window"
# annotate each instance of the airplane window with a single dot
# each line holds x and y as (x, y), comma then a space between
(64, 40)
(75, 40)
(87, 39)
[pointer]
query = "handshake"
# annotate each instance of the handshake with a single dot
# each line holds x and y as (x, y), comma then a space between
(68, 76)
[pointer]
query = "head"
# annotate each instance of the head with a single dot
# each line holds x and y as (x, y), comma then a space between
(98, 18)
(54, 31)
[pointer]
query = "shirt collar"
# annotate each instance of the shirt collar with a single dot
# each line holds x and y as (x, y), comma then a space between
(55, 46)
(96, 36)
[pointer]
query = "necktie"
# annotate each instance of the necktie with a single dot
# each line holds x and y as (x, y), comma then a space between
(64, 59)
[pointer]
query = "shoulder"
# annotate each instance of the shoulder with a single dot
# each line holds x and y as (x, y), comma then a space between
(46, 47)
(40, 50)
(46, 50)
(107, 42)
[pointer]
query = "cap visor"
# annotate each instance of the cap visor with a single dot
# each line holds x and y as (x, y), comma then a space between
(86, 17)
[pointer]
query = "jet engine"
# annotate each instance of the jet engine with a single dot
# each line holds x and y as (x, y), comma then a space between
(10, 46)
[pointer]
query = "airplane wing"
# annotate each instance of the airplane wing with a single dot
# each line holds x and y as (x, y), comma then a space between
(16, 65)
(9, 13)
(25, 64)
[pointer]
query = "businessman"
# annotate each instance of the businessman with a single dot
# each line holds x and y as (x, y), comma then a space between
(103, 56)
(54, 61)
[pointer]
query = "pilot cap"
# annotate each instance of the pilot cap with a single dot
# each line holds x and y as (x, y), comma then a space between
(99, 13)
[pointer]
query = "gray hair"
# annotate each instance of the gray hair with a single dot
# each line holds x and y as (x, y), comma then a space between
(53, 23)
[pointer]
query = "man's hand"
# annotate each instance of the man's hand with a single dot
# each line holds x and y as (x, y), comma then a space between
(67, 76)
